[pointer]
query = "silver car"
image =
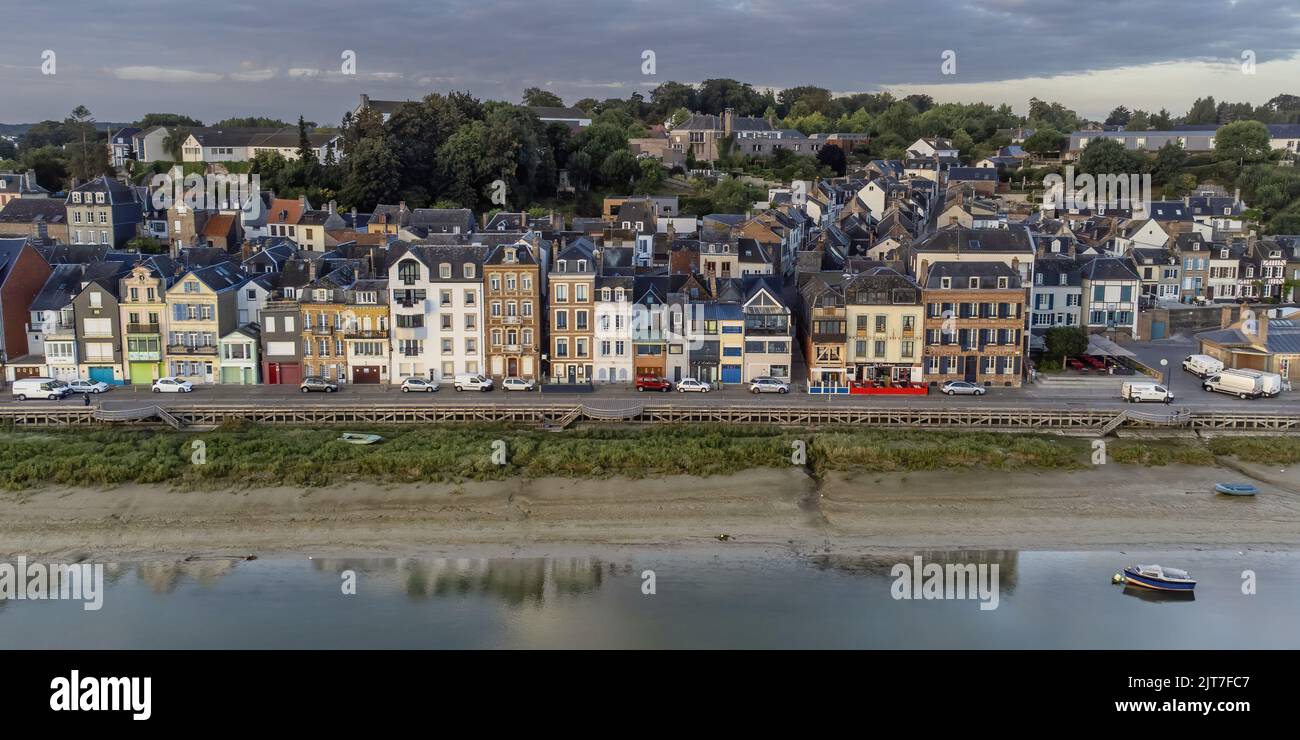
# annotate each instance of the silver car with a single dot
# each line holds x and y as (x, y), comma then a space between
(768, 385)
(962, 388)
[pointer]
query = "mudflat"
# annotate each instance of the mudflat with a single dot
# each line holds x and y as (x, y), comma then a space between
(1106, 507)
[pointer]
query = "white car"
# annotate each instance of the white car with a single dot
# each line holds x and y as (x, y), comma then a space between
(83, 385)
(691, 384)
(962, 388)
(518, 384)
(418, 384)
(172, 385)
(768, 385)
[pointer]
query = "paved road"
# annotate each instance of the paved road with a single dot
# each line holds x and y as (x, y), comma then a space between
(1185, 387)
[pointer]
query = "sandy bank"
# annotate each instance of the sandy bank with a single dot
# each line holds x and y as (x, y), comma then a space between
(1112, 506)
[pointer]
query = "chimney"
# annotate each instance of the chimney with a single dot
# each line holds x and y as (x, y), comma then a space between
(302, 201)
(42, 231)
(31, 179)
(728, 121)
(1236, 196)
(1261, 329)
(332, 207)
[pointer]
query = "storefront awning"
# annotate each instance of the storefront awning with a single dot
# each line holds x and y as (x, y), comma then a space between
(1099, 346)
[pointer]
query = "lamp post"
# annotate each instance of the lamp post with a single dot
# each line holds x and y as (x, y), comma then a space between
(1169, 377)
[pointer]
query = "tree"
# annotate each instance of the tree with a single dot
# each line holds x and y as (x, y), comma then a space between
(1118, 117)
(1139, 121)
(1244, 142)
(87, 157)
(1104, 156)
(1203, 111)
(539, 98)
(174, 142)
(372, 175)
(7, 149)
(651, 177)
(732, 196)
(1066, 341)
(168, 120)
(833, 157)
(1169, 162)
(1162, 121)
(619, 169)
(1045, 142)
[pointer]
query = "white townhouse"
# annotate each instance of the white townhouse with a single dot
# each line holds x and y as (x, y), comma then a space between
(436, 305)
(613, 338)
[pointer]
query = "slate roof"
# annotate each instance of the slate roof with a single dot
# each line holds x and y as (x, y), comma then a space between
(961, 272)
(1108, 268)
(34, 210)
(961, 239)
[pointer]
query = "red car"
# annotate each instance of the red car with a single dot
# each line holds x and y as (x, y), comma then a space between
(653, 383)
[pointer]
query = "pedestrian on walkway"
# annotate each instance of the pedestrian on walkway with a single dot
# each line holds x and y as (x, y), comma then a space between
(85, 399)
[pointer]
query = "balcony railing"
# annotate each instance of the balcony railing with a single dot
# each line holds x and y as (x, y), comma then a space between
(318, 329)
(142, 329)
(512, 320)
(365, 333)
(191, 349)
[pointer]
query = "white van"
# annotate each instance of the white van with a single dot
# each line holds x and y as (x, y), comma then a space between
(1202, 365)
(1139, 392)
(472, 382)
(1233, 383)
(1270, 384)
(49, 388)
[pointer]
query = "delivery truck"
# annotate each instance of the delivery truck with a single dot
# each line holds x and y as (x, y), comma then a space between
(1234, 383)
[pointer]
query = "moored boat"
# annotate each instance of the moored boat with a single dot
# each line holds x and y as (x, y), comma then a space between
(1158, 578)
(359, 439)
(1236, 489)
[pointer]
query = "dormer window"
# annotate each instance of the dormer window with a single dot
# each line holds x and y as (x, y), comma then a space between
(99, 197)
(973, 283)
(1002, 283)
(510, 255)
(1038, 279)
(444, 270)
(582, 265)
(322, 296)
(562, 266)
(468, 271)
(1065, 280)
(604, 294)
(945, 283)
(1223, 254)
(76, 197)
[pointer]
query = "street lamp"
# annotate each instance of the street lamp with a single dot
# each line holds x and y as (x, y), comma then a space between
(1169, 377)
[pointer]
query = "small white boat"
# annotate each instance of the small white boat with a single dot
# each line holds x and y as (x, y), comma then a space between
(356, 438)
(1158, 578)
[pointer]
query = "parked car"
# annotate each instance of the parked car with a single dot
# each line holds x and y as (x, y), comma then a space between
(962, 388)
(418, 384)
(692, 385)
(1139, 392)
(653, 383)
(172, 385)
(518, 384)
(47, 388)
(768, 385)
(471, 382)
(1234, 384)
(84, 385)
(316, 383)
(1202, 365)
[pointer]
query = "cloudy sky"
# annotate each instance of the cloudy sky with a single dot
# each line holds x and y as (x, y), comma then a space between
(213, 60)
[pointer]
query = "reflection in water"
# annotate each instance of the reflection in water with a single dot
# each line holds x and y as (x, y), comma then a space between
(515, 581)
(1159, 597)
(880, 565)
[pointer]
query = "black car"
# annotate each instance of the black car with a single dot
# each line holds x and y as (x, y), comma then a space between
(317, 384)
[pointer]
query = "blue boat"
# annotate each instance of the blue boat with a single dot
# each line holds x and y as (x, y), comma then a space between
(1236, 489)
(1157, 578)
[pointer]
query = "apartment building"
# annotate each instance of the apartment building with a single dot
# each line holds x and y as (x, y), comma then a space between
(570, 291)
(202, 308)
(143, 304)
(1110, 290)
(436, 305)
(974, 318)
(513, 330)
(884, 315)
(365, 331)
